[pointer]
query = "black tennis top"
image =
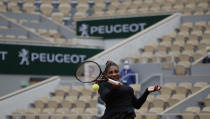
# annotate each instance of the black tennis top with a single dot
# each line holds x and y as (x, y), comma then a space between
(120, 100)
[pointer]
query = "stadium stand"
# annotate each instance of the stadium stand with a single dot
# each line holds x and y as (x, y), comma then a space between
(70, 103)
(196, 109)
(46, 31)
(184, 47)
(45, 28)
(73, 10)
(60, 105)
(175, 51)
(15, 32)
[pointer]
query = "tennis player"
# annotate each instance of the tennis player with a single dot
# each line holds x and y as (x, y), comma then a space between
(120, 100)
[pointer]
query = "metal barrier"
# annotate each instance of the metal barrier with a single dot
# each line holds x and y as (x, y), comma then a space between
(131, 74)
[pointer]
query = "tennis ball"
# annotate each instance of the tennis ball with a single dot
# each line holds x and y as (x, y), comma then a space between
(95, 87)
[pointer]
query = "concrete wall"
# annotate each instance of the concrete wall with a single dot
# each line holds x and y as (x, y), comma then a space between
(187, 78)
(195, 18)
(145, 70)
(89, 42)
(111, 42)
(11, 83)
(22, 99)
(200, 69)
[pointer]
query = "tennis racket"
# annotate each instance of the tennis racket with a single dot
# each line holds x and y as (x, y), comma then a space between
(90, 71)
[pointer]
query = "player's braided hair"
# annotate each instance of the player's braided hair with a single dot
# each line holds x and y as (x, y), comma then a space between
(109, 63)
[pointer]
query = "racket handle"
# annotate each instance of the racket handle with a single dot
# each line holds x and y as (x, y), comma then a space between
(113, 82)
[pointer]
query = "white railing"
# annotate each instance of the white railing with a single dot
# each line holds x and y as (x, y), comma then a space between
(131, 74)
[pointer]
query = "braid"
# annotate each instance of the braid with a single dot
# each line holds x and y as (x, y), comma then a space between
(109, 63)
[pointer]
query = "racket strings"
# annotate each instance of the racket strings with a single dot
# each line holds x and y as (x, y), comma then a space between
(88, 71)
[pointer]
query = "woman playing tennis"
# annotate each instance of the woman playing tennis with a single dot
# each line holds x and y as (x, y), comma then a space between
(119, 99)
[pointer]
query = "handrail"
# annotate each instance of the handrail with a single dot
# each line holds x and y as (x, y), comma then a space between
(198, 60)
(134, 36)
(29, 88)
(153, 75)
(131, 74)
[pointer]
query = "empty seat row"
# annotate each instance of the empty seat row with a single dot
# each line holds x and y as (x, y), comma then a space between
(157, 104)
(46, 9)
(75, 113)
(113, 8)
(60, 105)
(66, 103)
(75, 90)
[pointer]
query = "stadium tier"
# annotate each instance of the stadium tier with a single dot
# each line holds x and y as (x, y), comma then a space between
(73, 10)
(40, 26)
(68, 102)
(79, 102)
(181, 48)
(36, 29)
(170, 57)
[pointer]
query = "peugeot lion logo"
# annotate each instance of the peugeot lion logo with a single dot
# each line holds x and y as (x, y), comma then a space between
(84, 29)
(24, 54)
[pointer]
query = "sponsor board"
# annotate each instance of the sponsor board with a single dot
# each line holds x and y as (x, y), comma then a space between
(42, 60)
(116, 27)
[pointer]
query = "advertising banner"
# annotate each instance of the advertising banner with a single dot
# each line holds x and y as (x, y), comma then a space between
(112, 28)
(42, 60)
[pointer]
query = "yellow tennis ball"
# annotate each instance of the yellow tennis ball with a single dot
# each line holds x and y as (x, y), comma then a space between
(95, 87)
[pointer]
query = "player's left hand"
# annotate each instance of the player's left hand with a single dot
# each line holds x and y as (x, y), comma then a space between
(154, 88)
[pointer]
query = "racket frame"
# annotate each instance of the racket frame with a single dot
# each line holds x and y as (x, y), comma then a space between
(100, 74)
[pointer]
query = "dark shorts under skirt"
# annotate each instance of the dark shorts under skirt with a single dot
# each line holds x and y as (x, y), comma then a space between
(120, 115)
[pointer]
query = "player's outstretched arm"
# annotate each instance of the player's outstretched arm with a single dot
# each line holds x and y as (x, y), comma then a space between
(137, 103)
